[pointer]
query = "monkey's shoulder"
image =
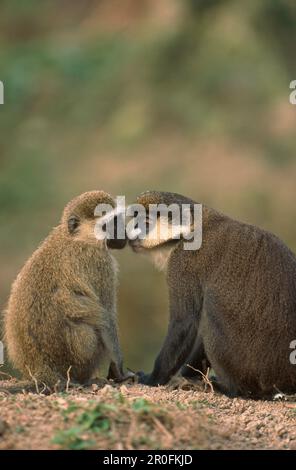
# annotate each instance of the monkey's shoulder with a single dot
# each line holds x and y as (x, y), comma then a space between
(59, 261)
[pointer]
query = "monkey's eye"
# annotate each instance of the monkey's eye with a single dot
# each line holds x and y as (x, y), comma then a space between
(73, 223)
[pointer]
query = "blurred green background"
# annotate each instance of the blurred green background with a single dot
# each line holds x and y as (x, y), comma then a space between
(188, 96)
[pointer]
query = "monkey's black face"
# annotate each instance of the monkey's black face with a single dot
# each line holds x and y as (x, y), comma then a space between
(116, 234)
(116, 244)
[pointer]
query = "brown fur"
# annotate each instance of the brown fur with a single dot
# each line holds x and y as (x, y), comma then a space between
(62, 307)
(232, 303)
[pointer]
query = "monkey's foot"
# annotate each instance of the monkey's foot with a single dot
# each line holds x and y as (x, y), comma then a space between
(129, 377)
(146, 379)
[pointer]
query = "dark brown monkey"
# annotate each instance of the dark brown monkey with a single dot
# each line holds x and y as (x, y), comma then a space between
(232, 303)
(62, 308)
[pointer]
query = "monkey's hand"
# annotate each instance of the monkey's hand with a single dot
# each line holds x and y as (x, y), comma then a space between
(145, 379)
(129, 376)
(116, 373)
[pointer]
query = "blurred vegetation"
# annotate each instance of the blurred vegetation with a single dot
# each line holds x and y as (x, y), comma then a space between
(189, 96)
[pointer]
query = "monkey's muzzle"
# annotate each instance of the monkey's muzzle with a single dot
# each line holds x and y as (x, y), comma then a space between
(136, 245)
(116, 238)
(116, 243)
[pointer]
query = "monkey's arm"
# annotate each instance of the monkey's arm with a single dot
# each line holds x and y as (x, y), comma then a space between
(180, 339)
(78, 303)
(110, 338)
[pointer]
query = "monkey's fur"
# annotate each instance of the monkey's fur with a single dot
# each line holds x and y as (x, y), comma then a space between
(62, 307)
(232, 303)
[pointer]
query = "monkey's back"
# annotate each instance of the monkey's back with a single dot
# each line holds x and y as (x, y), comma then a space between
(249, 315)
(55, 307)
(244, 279)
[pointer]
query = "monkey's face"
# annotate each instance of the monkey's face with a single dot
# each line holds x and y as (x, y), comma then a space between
(159, 228)
(152, 232)
(90, 218)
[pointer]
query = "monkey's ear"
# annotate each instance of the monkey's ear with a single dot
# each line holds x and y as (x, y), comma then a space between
(73, 223)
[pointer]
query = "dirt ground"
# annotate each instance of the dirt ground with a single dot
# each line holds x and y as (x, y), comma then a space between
(132, 416)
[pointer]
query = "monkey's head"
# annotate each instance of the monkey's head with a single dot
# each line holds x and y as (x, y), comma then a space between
(162, 227)
(90, 213)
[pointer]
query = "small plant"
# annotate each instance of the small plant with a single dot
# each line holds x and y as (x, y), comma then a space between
(201, 403)
(181, 406)
(150, 413)
(72, 439)
(143, 441)
(141, 405)
(19, 429)
(93, 419)
(72, 407)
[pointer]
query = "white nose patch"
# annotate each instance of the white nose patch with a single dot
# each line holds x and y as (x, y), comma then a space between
(132, 232)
